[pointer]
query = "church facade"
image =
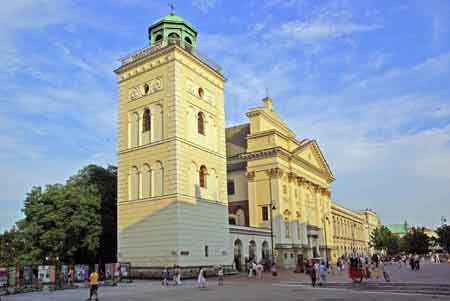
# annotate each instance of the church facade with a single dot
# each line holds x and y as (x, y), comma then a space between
(192, 193)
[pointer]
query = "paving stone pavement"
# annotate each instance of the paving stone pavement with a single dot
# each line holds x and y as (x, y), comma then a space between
(288, 286)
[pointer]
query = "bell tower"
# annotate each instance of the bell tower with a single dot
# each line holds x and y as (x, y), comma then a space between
(172, 202)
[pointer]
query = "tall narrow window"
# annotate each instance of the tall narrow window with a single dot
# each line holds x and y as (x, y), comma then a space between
(201, 123)
(206, 251)
(287, 228)
(230, 187)
(202, 176)
(265, 213)
(146, 123)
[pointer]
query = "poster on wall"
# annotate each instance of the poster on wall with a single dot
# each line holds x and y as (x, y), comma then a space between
(81, 272)
(43, 274)
(19, 276)
(63, 274)
(124, 270)
(116, 270)
(27, 275)
(108, 271)
(3, 277)
(52, 273)
(12, 276)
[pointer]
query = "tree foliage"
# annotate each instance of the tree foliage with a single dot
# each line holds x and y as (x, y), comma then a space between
(382, 239)
(75, 222)
(416, 241)
(443, 239)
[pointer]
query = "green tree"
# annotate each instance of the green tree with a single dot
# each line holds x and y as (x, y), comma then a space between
(443, 239)
(105, 181)
(76, 222)
(11, 246)
(416, 241)
(382, 239)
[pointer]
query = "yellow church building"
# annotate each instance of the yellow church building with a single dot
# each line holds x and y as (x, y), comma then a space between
(192, 193)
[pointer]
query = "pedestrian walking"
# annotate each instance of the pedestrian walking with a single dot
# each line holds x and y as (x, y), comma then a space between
(176, 276)
(201, 280)
(220, 276)
(417, 262)
(93, 281)
(165, 280)
(322, 273)
(259, 270)
(273, 269)
(312, 273)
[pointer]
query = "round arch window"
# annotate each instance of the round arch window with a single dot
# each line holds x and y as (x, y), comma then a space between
(146, 88)
(201, 93)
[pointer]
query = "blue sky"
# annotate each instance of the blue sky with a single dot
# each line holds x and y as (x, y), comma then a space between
(370, 80)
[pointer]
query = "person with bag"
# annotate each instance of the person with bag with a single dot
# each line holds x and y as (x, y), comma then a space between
(93, 281)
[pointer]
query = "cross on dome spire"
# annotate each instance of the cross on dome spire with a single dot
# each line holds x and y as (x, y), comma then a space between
(172, 9)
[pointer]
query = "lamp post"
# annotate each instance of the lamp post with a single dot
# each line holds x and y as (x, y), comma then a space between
(325, 218)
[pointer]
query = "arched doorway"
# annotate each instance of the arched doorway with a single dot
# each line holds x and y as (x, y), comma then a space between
(252, 251)
(238, 254)
(265, 252)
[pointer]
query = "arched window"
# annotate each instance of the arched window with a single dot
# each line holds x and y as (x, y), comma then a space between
(174, 38)
(157, 123)
(146, 123)
(201, 123)
(202, 176)
(134, 130)
(133, 184)
(188, 40)
(252, 250)
(157, 178)
(287, 228)
(146, 181)
(158, 38)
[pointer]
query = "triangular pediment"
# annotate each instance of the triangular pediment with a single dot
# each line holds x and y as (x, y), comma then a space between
(310, 152)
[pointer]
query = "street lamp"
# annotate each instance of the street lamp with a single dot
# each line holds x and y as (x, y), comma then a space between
(325, 218)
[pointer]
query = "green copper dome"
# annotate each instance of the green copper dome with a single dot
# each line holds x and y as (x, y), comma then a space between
(172, 18)
(172, 29)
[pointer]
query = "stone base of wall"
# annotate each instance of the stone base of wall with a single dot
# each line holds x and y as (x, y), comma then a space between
(186, 272)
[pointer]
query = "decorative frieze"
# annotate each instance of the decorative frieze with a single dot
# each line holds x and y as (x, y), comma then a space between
(250, 175)
(275, 172)
(146, 88)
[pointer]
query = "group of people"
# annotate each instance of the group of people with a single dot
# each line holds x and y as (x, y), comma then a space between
(201, 277)
(317, 272)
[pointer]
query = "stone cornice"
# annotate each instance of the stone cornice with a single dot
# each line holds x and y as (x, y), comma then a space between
(271, 115)
(280, 151)
(161, 52)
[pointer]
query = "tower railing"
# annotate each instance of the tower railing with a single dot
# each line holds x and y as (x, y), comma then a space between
(143, 52)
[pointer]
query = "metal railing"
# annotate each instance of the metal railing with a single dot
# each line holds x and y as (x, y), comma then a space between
(141, 53)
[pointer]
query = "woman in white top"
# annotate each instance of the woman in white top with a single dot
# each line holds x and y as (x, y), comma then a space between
(201, 280)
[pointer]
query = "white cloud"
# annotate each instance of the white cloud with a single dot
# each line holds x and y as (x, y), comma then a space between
(317, 30)
(204, 5)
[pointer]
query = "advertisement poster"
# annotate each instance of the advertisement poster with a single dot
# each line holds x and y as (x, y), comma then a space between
(43, 274)
(63, 274)
(52, 273)
(124, 270)
(27, 275)
(108, 271)
(3, 276)
(116, 270)
(19, 274)
(12, 277)
(81, 273)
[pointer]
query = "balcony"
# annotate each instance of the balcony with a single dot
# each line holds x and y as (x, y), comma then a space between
(144, 52)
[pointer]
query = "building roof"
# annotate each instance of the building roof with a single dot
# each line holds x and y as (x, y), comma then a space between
(236, 139)
(172, 18)
(397, 228)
